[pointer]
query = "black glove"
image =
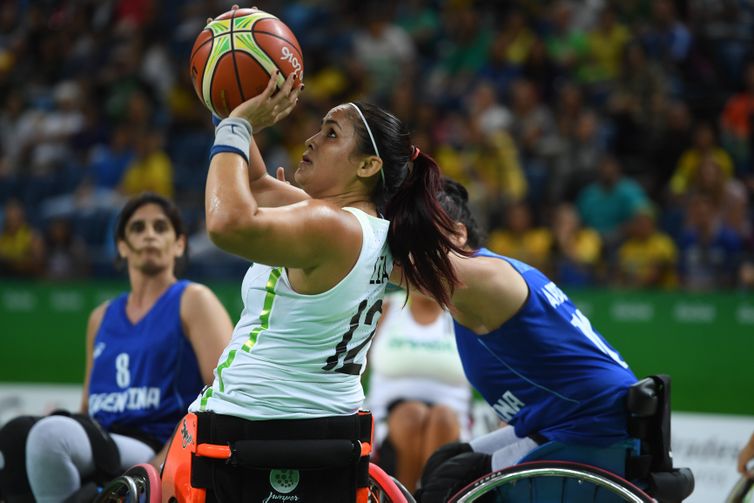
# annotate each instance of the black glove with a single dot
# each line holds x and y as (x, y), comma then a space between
(440, 456)
(453, 475)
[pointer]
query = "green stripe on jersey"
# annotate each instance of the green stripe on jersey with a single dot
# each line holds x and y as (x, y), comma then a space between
(264, 323)
(224, 365)
(264, 317)
(205, 396)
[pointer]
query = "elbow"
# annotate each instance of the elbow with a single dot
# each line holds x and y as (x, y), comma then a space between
(216, 236)
(218, 226)
(221, 230)
(224, 230)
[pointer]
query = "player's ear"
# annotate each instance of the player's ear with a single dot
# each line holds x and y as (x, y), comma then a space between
(122, 249)
(180, 246)
(460, 235)
(369, 167)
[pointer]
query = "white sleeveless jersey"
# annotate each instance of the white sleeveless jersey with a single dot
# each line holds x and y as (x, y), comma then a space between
(411, 361)
(295, 356)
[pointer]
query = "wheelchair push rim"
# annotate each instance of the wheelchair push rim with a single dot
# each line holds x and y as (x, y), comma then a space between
(139, 483)
(385, 489)
(552, 469)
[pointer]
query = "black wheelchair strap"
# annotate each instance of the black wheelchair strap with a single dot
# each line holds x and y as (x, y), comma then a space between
(309, 454)
(219, 428)
(314, 443)
(638, 467)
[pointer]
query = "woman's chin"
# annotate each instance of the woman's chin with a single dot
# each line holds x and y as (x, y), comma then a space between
(299, 177)
(301, 183)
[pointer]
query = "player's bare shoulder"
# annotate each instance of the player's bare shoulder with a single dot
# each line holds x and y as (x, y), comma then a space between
(95, 318)
(485, 279)
(199, 300)
(333, 222)
(195, 291)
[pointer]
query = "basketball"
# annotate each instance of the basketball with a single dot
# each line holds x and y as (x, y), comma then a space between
(236, 53)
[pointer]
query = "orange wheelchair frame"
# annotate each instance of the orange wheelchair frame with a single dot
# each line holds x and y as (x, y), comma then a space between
(174, 483)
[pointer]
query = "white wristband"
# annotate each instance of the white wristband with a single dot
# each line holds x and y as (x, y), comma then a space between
(232, 135)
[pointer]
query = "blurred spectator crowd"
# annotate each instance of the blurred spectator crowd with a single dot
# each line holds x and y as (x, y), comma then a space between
(608, 142)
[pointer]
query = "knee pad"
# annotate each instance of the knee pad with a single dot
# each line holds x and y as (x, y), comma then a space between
(453, 475)
(14, 485)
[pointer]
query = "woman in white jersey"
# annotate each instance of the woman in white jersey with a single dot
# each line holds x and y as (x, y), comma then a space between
(322, 257)
(418, 393)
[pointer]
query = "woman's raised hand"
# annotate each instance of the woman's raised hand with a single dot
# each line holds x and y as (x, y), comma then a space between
(269, 107)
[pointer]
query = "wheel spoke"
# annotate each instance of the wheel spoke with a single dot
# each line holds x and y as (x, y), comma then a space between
(560, 473)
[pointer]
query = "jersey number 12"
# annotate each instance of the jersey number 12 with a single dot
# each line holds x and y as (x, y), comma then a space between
(349, 367)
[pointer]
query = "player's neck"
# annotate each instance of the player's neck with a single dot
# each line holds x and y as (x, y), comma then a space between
(353, 195)
(354, 201)
(145, 290)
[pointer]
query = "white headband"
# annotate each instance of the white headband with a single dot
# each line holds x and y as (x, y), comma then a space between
(371, 137)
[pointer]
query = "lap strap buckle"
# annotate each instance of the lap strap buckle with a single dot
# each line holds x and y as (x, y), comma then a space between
(215, 451)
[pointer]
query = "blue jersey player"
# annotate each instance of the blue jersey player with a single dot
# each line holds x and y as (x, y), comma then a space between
(533, 356)
(149, 352)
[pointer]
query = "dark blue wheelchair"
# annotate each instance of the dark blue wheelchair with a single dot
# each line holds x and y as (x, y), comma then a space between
(639, 470)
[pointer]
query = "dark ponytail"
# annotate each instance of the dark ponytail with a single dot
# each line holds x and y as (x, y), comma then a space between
(406, 193)
(420, 231)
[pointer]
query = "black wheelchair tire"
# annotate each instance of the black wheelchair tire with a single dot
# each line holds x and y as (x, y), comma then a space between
(560, 469)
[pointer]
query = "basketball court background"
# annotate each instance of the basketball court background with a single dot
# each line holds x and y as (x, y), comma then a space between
(703, 341)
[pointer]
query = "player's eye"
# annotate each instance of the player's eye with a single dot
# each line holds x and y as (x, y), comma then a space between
(137, 227)
(161, 226)
(330, 132)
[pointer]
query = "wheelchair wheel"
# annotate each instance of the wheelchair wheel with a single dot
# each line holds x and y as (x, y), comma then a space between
(385, 489)
(742, 492)
(140, 484)
(551, 481)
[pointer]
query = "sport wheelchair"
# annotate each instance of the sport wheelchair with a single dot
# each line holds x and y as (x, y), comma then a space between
(274, 466)
(142, 484)
(637, 471)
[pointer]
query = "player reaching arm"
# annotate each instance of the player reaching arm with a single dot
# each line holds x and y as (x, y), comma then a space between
(533, 356)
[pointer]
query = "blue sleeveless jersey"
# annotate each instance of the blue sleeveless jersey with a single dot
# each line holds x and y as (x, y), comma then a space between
(547, 370)
(144, 375)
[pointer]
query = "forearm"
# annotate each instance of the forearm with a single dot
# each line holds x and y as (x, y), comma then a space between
(257, 167)
(228, 202)
(270, 192)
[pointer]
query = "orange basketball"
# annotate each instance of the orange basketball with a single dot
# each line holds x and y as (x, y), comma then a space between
(235, 55)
